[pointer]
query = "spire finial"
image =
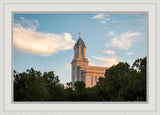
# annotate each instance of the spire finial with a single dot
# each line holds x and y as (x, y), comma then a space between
(79, 34)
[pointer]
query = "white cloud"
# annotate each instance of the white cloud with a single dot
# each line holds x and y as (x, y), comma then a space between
(129, 53)
(108, 62)
(109, 52)
(125, 40)
(99, 16)
(102, 22)
(103, 18)
(30, 24)
(28, 40)
(111, 33)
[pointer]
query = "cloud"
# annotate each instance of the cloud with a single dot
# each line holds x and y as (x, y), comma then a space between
(28, 40)
(125, 40)
(109, 52)
(111, 33)
(99, 16)
(108, 62)
(103, 18)
(129, 53)
(30, 24)
(102, 21)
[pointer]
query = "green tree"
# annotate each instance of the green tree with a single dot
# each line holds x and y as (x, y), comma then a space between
(33, 86)
(112, 87)
(79, 86)
(69, 84)
(78, 94)
(136, 89)
(121, 83)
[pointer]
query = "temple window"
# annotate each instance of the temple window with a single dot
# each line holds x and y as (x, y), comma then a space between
(95, 78)
(92, 81)
(82, 52)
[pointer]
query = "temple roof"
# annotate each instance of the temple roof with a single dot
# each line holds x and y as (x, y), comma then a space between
(79, 42)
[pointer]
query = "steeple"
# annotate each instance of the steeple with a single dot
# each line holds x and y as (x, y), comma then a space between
(79, 48)
(79, 42)
(79, 35)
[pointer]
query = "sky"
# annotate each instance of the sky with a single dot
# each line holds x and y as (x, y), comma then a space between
(45, 41)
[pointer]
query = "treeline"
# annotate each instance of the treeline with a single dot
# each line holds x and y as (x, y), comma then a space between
(121, 83)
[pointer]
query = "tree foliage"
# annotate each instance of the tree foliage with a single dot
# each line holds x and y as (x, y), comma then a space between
(34, 86)
(121, 83)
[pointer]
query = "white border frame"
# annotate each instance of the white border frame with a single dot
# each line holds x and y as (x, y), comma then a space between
(150, 6)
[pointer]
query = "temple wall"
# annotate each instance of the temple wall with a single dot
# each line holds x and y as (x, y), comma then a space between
(89, 79)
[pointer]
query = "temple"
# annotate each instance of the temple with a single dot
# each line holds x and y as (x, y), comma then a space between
(80, 69)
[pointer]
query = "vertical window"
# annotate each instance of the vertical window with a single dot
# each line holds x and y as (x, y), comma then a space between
(77, 52)
(95, 78)
(92, 81)
(82, 52)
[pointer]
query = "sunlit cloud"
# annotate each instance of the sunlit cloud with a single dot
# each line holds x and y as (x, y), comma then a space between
(125, 40)
(107, 61)
(27, 39)
(109, 52)
(129, 53)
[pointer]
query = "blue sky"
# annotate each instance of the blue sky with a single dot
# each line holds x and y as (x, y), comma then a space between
(45, 41)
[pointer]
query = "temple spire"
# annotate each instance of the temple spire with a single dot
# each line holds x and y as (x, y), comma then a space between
(79, 34)
(79, 42)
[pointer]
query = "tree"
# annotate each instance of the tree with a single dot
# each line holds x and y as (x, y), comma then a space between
(79, 86)
(112, 87)
(137, 83)
(69, 84)
(121, 83)
(33, 86)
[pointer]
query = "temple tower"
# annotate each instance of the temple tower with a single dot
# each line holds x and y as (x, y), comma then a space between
(81, 71)
(80, 61)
